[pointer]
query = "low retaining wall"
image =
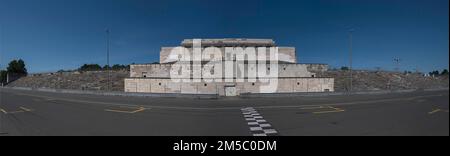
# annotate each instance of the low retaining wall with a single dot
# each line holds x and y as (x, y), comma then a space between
(67, 91)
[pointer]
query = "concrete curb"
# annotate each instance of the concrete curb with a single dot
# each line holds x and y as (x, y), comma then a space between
(215, 96)
(86, 92)
(252, 95)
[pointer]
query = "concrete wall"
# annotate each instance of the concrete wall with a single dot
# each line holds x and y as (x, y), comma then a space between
(292, 77)
(230, 42)
(285, 85)
(165, 57)
(151, 70)
(285, 54)
(294, 70)
(284, 70)
(316, 67)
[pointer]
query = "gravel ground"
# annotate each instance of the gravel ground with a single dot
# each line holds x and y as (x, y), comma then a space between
(362, 80)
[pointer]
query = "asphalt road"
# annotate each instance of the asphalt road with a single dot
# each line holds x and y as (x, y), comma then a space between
(41, 113)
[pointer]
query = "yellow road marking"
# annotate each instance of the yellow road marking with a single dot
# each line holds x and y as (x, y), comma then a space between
(23, 110)
(3, 111)
(312, 107)
(437, 110)
(226, 108)
(434, 111)
(335, 110)
(129, 112)
(15, 112)
(26, 109)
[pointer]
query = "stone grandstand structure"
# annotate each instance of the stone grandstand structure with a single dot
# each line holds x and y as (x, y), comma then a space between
(269, 65)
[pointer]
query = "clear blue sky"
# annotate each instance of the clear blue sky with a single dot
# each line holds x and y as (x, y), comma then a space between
(63, 34)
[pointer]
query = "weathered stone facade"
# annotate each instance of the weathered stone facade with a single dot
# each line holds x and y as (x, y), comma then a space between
(291, 77)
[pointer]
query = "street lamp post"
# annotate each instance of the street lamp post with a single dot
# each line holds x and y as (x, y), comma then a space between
(107, 60)
(350, 59)
(397, 64)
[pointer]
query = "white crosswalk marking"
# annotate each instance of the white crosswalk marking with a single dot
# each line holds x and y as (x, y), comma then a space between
(256, 128)
(265, 125)
(258, 125)
(248, 116)
(261, 121)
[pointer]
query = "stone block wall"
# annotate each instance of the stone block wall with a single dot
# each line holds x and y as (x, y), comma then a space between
(285, 54)
(285, 85)
(284, 70)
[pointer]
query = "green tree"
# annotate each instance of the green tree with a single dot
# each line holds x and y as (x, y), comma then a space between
(17, 67)
(344, 68)
(90, 67)
(434, 73)
(3, 74)
(106, 67)
(119, 67)
(444, 72)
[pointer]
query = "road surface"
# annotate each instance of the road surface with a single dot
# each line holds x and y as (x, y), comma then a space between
(42, 113)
